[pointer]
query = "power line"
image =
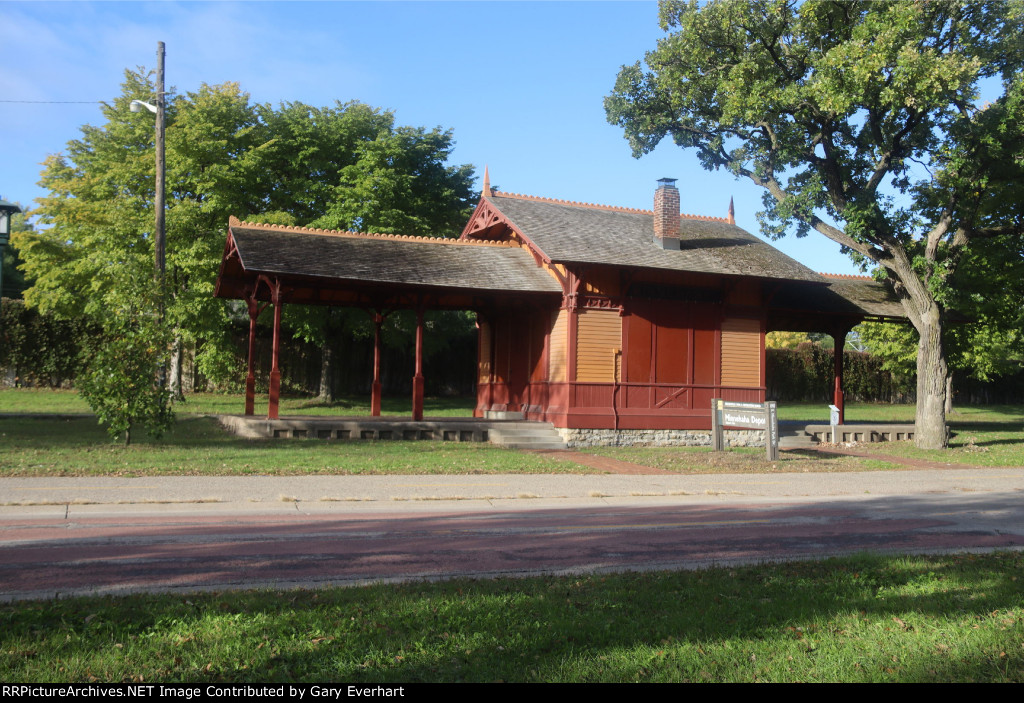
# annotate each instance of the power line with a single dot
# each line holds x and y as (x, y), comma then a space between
(55, 102)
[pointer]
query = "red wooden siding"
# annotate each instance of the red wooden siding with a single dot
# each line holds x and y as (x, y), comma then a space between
(672, 345)
(681, 371)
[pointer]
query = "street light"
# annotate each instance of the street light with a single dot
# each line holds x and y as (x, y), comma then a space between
(7, 210)
(137, 105)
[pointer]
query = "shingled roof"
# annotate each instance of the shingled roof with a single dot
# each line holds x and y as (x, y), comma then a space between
(845, 298)
(557, 231)
(342, 258)
(581, 233)
(868, 296)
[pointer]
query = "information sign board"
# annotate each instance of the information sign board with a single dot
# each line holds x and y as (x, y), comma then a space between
(754, 416)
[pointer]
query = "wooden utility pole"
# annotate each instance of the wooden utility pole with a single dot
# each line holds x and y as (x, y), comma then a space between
(161, 237)
(160, 242)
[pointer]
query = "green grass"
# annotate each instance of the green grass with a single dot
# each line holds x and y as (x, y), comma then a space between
(976, 444)
(197, 446)
(987, 435)
(36, 400)
(982, 436)
(954, 618)
(41, 400)
(702, 460)
(817, 413)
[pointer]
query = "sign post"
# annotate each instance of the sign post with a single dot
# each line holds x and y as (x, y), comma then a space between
(833, 420)
(754, 416)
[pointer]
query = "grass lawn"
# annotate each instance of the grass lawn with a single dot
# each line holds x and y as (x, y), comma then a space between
(983, 436)
(198, 446)
(886, 412)
(955, 618)
(701, 460)
(41, 400)
(991, 435)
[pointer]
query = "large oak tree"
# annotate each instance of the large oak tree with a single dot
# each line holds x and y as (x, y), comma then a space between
(863, 122)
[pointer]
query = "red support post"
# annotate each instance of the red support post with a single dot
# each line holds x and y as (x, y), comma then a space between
(250, 378)
(839, 340)
(493, 360)
(417, 380)
(375, 393)
(275, 371)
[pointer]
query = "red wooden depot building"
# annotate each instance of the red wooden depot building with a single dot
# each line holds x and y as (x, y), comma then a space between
(590, 316)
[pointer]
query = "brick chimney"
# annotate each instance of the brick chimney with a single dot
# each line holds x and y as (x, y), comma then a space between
(666, 214)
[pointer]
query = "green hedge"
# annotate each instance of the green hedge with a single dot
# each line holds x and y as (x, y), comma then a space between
(806, 374)
(38, 350)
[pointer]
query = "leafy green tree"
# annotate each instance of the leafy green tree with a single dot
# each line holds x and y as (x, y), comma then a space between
(350, 168)
(988, 341)
(785, 340)
(98, 215)
(861, 121)
(345, 166)
(119, 377)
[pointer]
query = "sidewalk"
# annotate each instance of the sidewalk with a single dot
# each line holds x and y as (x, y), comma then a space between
(68, 497)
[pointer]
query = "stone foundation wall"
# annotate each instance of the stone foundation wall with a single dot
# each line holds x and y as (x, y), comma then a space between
(657, 438)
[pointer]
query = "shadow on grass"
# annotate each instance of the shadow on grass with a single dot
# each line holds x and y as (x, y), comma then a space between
(85, 431)
(864, 618)
(199, 446)
(360, 406)
(342, 404)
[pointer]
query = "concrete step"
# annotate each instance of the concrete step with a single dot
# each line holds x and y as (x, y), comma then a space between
(796, 441)
(503, 415)
(525, 435)
(794, 435)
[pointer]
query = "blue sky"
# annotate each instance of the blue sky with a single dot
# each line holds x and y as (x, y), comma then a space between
(520, 84)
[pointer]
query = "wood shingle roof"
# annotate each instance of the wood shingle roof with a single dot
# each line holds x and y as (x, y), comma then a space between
(344, 259)
(587, 234)
(408, 260)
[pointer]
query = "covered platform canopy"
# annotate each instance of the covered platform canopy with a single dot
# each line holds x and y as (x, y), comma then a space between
(275, 264)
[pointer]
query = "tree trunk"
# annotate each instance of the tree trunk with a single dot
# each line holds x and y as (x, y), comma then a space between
(174, 382)
(326, 374)
(930, 430)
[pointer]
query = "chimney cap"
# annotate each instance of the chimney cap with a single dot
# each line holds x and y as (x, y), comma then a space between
(667, 182)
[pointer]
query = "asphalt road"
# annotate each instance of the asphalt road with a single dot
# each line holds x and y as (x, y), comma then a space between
(61, 537)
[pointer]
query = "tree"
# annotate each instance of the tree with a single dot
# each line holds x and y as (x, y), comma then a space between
(861, 121)
(785, 340)
(350, 168)
(989, 339)
(98, 215)
(225, 156)
(119, 380)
